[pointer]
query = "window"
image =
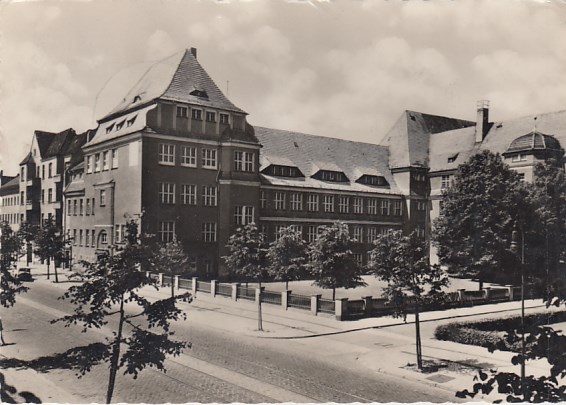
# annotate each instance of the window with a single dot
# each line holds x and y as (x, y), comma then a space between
(50, 196)
(312, 202)
(209, 231)
(102, 198)
(167, 231)
(119, 233)
(279, 231)
(211, 116)
(398, 208)
(80, 237)
(189, 156)
(196, 114)
(109, 128)
(75, 207)
(167, 193)
(42, 196)
(209, 196)
(330, 175)
(420, 232)
(189, 194)
(279, 200)
(372, 206)
(421, 205)
(92, 207)
(312, 233)
(42, 173)
(92, 238)
(75, 237)
(105, 160)
(372, 234)
(88, 164)
(452, 159)
(284, 171)
(384, 207)
(243, 214)
(344, 204)
(372, 180)
(358, 258)
(262, 199)
(166, 154)
(50, 170)
(521, 176)
(445, 181)
(244, 161)
(209, 158)
(87, 210)
(519, 158)
(328, 203)
(358, 205)
(120, 125)
(224, 119)
(97, 163)
(69, 208)
(81, 206)
(358, 233)
(182, 111)
(114, 158)
(131, 121)
(296, 202)
(22, 198)
(87, 238)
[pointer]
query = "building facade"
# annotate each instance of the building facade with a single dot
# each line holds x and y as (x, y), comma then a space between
(181, 159)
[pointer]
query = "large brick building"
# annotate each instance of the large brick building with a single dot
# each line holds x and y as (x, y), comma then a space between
(182, 159)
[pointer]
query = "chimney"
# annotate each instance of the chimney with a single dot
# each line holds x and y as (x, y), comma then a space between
(482, 120)
(194, 52)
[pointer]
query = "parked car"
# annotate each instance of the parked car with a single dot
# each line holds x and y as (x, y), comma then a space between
(24, 274)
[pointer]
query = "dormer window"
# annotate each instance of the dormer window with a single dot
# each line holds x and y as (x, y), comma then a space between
(521, 157)
(283, 171)
(372, 180)
(452, 159)
(331, 175)
(199, 93)
(131, 121)
(137, 99)
(120, 125)
(109, 128)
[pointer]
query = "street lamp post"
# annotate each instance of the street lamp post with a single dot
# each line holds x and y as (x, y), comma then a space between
(515, 250)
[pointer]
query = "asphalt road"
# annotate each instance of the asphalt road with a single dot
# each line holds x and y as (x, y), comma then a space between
(221, 367)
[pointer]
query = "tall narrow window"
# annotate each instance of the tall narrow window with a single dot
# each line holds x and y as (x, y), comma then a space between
(384, 207)
(296, 201)
(209, 196)
(196, 114)
(182, 112)
(262, 199)
(88, 164)
(166, 154)
(243, 214)
(105, 160)
(312, 233)
(279, 200)
(398, 207)
(81, 206)
(358, 204)
(50, 170)
(358, 233)
(189, 194)
(224, 119)
(209, 231)
(372, 206)
(344, 204)
(114, 158)
(167, 193)
(209, 158)
(189, 156)
(211, 116)
(87, 210)
(328, 203)
(312, 202)
(167, 231)
(445, 181)
(372, 234)
(102, 198)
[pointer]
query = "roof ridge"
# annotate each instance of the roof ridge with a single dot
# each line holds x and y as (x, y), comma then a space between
(321, 136)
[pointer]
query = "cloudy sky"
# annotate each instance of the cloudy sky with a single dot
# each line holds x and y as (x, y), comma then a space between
(341, 68)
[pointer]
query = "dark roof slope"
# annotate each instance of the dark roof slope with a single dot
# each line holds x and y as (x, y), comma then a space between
(534, 141)
(11, 187)
(59, 143)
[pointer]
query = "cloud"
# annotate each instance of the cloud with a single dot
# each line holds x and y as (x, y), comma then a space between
(160, 45)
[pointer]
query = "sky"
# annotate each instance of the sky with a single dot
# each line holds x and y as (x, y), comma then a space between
(344, 68)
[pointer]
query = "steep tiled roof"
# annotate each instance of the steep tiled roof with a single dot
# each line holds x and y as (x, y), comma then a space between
(59, 143)
(26, 159)
(175, 78)
(311, 153)
(409, 138)
(11, 187)
(451, 148)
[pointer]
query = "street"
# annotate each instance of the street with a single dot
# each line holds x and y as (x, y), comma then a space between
(221, 366)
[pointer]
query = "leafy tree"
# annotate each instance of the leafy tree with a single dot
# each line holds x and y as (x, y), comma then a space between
(50, 244)
(247, 258)
(541, 342)
(10, 245)
(472, 233)
(107, 286)
(27, 233)
(403, 263)
(547, 243)
(332, 262)
(172, 258)
(288, 256)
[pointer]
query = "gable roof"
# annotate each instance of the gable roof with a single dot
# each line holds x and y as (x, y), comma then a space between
(409, 138)
(174, 78)
(11, 187)
(311, 153)
(59, 143)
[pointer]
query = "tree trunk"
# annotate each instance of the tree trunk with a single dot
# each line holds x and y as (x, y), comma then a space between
(480, 283)
(286, 285)
(172, 286)
(48, 262)
(418, 337)
(259, 318)
(56, 275)
(115, 354)
(333, 294)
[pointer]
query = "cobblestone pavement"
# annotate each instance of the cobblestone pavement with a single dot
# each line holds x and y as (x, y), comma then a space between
(221, 367)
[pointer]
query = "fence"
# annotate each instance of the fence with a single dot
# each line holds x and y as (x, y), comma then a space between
(344, 308)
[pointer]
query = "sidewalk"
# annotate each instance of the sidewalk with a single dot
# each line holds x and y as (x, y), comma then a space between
(382, 345)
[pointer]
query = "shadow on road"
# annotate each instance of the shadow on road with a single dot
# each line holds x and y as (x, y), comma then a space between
(9, 394)
(81, 359)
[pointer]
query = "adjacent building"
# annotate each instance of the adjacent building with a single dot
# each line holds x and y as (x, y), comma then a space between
(181, 159)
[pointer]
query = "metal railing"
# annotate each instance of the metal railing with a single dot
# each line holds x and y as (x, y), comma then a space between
(326, 306)
(499, 294)
(246, 293)
(356, 307)
(299, 301)
(224, 289)
(185, 284)
(167, 280)
(271, 297)
(203, 286)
